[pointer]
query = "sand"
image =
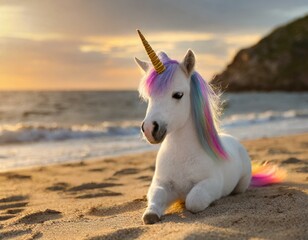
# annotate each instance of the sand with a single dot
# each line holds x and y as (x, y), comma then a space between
(105, 199)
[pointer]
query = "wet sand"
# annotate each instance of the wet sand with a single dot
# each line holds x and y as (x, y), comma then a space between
(105, 199)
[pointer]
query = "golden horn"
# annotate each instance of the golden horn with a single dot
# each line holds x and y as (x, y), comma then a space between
(158, 65)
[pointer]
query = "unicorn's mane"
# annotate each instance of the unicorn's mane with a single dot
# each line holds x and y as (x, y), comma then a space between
(154, 83)
(206, 110)
(204, 101)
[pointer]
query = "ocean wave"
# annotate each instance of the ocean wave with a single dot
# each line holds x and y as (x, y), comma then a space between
(247, 119)
(22, 133)
(26, 133)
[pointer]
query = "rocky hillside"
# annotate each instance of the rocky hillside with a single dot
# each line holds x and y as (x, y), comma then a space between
(277, 62)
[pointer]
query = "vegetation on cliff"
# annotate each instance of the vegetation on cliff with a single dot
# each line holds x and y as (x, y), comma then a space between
(279, 61)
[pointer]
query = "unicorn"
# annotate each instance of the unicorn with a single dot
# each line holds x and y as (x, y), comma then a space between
(196, 162)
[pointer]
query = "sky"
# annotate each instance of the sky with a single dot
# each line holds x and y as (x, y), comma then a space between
(91, 44)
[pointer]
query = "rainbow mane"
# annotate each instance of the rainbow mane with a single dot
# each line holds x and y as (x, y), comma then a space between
(205, 110)
(154, 83)
(204, 104)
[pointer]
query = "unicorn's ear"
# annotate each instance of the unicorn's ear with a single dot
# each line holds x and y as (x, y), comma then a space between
(143, 64)
(188, 63)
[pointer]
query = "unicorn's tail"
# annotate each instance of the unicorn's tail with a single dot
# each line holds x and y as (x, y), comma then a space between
(266, 174)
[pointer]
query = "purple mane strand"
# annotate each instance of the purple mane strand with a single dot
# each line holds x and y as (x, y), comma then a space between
(154, 83)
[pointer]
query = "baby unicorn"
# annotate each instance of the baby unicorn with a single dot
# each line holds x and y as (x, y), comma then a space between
(196, 163)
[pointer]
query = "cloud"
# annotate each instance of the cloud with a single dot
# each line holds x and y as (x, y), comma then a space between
(50, 63)
(122, 17)
(91, 44)
(213, 46)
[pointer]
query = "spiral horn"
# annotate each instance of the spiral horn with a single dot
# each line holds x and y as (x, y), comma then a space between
(158, 65)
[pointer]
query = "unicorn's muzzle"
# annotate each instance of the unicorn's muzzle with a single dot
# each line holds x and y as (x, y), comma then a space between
(154, 132)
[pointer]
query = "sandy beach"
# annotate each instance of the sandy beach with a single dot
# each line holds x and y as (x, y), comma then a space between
(105, 199)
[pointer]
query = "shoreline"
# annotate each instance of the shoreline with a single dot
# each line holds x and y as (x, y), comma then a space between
(93, 159)
(146, 149)
(105, 199)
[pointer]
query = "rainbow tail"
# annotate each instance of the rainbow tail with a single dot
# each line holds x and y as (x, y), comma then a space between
(266, 174)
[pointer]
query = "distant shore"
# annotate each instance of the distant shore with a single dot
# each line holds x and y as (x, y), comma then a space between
(105, 199)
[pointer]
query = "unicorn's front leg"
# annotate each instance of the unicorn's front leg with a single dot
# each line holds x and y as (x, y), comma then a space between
(159, 198)
(203, 194)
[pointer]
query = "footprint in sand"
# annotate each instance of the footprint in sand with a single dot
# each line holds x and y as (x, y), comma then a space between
(14, 211)
(97, 169)
(12, 205)
(86, 190)
(111, 179)
(127, 233)
(145, 178)
(127, 171)
(20, 233)
(14, 233)
(132, 206)
(101, 193)
(109, 160)
(291, 160)
(15, 198)
(95, 190)
(37, 235)
(92, 185)
(40, 217)
(6, 217)
(79, 164)
(151, 168)
(302, 169)
(12, 176)
(280, 151)
(60, 186)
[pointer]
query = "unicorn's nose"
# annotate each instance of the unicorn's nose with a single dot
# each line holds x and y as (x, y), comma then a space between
(154, 131)
(155, 128)
(142, 127)
(159, 131)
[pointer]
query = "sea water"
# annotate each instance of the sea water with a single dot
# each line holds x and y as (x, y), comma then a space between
(39, 128)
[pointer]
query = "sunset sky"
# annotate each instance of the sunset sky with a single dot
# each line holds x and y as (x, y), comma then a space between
(90, 44)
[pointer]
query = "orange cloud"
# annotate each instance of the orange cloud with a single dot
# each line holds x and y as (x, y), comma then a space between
(36, 52)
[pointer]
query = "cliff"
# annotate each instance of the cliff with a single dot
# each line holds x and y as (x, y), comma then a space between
(277, 62)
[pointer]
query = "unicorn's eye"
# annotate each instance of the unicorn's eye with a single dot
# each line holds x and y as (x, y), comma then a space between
(177, 95)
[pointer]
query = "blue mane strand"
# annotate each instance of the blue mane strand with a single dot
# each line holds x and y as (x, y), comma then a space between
(205, 112)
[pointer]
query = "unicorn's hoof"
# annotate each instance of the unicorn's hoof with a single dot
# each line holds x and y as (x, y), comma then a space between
(150, 218)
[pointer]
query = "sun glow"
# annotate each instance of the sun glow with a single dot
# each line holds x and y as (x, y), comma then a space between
(10, 20)
(38, 50)
(132, 43)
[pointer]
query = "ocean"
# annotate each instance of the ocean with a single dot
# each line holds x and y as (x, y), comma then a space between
(39, 128)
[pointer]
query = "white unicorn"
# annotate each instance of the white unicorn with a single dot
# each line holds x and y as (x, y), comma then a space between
(195, 163)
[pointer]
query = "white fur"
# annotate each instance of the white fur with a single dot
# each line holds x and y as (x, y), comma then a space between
(184, 171)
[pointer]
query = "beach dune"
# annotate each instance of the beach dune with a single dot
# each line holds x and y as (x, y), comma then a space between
(105, 199)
